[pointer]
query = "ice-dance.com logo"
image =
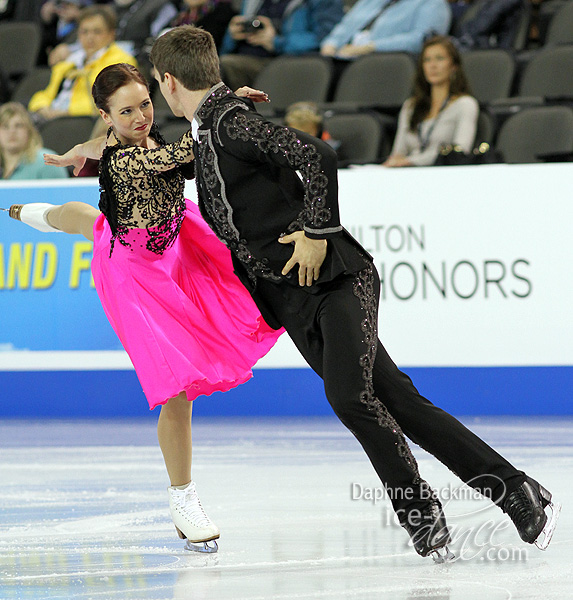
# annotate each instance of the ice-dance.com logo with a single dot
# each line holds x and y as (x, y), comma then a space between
(445, 494)
(468, 542)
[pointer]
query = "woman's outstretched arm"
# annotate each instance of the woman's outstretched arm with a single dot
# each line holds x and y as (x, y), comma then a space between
(77, 156)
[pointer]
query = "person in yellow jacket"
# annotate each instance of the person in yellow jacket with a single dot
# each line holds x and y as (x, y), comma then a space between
(69, 89)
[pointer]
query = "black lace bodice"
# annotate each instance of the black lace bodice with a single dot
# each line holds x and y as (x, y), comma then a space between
(143, 188)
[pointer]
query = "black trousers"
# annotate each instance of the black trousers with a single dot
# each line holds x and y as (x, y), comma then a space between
(336, 332)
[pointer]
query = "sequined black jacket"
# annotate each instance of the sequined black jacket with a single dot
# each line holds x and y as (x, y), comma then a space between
(257, 180)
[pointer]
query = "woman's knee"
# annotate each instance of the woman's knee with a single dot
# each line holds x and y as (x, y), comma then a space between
(177, 408)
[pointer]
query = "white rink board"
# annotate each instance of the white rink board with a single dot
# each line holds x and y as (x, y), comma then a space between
(455, 220)
(456, 223)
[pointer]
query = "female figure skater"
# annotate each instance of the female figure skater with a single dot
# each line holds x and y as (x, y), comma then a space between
(165, 281)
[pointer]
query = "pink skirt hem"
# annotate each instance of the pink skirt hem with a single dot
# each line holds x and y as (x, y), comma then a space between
(184, 318)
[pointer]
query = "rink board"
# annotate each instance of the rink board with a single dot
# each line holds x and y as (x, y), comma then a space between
(477, 288)
(288, 392)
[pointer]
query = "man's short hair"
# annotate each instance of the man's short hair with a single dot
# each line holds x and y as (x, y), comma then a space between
(190, 55)
(107, 13)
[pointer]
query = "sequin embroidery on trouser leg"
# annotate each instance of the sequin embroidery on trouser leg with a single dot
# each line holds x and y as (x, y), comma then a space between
(363, 289)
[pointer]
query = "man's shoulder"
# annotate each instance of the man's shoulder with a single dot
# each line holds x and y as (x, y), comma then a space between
(221, 105)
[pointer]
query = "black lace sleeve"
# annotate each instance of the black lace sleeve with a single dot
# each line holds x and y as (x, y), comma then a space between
(139, 192)
(138, 162)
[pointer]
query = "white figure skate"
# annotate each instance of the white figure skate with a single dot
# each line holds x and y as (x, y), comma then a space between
(191, 521)
(33, 214)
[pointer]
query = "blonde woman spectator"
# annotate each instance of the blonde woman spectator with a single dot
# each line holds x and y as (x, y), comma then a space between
(21, 151)
(442, 111)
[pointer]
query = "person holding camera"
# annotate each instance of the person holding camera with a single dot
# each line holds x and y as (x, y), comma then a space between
(269, 28)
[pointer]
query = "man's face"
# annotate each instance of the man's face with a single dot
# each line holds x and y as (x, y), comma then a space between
(168, 95)
(94, 34)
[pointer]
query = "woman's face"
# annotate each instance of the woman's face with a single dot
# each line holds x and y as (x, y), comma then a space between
(437, 64)
(14, 135)
(130, 113)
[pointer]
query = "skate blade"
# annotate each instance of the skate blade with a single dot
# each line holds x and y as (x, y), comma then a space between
(549, 528)
(442, 555)
(204, 547)
(6, 209)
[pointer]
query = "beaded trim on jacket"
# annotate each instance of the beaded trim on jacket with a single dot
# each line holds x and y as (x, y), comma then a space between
(245, 126)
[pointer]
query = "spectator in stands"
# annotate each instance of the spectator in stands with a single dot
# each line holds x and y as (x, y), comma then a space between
(69, 89)
(458, 8)
(212, 15)
(495, 25)
(141, 21)
(59, 20)
(386, 26)
(269, 28)
(442, 111)
(21, 151)
(138, 23)
(306, 116)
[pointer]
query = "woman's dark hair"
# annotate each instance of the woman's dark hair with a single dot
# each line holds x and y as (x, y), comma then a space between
(422, 89)
(110, 79)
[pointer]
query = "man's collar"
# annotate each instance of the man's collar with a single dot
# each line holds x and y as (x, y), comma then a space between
(218, 91)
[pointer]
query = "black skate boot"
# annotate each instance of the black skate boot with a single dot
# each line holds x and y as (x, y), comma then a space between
(525, 506)
(429, 532)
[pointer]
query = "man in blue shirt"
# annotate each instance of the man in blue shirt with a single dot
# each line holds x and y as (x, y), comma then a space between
(387, 26)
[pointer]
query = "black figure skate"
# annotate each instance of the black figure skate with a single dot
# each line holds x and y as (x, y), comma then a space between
(525, 506)
(429, 532)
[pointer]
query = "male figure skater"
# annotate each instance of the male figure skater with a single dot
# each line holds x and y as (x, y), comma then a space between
(270, 194)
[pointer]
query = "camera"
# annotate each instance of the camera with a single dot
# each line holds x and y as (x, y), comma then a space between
(252, 26)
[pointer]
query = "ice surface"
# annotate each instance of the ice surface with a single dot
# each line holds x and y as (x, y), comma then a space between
(83, 514)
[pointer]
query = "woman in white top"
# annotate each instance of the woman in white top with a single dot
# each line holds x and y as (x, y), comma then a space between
(442, 111)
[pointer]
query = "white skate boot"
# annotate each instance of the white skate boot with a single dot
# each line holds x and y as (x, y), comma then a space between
(33, 214)
(191, 521)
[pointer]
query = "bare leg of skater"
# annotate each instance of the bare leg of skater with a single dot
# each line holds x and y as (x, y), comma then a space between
(72, 217)
(174, 434)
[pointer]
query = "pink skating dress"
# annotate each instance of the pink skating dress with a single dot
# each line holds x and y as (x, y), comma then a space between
(166, 282)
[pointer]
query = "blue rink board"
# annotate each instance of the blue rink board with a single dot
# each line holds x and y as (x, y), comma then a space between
(286, 392)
